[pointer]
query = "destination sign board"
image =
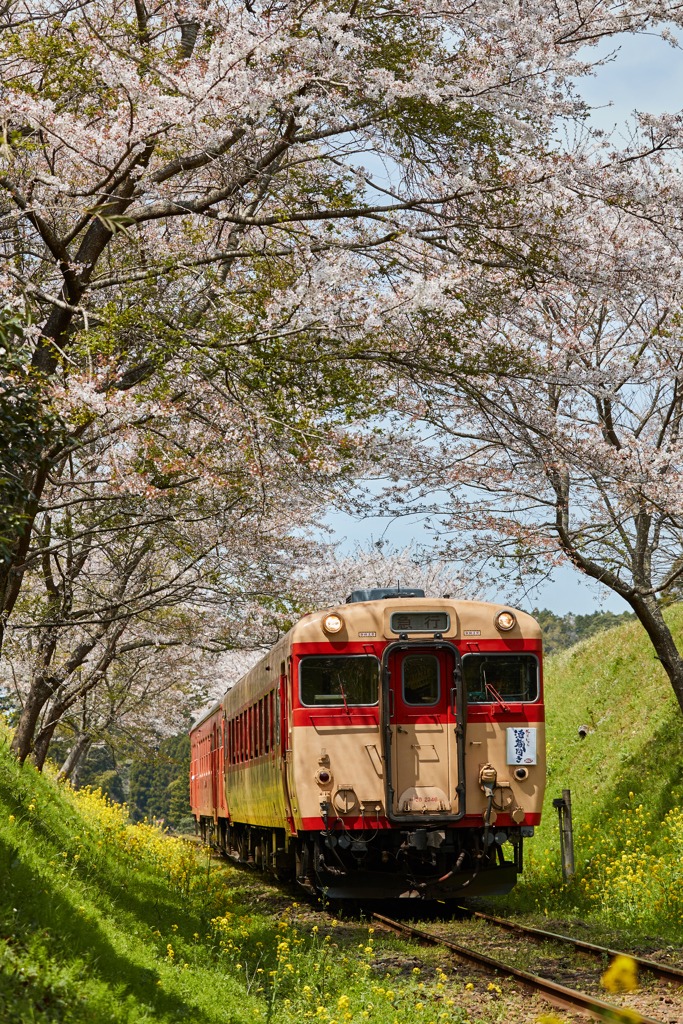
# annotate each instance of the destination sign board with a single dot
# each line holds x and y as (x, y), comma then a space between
(420, 622)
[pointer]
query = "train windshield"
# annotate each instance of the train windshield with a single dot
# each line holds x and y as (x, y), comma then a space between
(512, 677)
(339, 681)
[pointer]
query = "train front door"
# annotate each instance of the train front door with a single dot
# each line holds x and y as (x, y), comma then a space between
(422, 717)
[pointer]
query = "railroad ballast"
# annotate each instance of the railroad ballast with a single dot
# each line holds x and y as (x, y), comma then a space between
(390, 746)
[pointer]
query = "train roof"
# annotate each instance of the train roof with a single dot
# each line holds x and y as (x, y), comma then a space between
(374, 619)
(207, 714)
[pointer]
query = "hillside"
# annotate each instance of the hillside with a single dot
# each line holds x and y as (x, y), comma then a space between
(626, 780)
(614, 684)
(104, 921)
(562, 631)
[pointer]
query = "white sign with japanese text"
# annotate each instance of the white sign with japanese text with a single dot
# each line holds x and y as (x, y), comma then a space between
(521, 745)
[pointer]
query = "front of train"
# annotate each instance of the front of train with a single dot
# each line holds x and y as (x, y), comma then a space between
(416, 763)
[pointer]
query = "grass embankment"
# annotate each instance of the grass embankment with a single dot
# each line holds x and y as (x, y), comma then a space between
(626, 780)
(101, 921)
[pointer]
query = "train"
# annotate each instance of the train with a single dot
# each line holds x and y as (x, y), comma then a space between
(392, 746)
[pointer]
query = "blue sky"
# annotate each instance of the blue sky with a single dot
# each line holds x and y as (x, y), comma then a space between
(645, 74)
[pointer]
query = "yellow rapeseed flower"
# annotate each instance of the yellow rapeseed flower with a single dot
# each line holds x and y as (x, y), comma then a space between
(621, 975)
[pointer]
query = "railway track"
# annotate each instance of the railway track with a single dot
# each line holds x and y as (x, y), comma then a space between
(661, 971)
(556, 994)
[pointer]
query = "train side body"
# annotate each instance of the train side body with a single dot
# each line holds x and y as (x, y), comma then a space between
(383, 759)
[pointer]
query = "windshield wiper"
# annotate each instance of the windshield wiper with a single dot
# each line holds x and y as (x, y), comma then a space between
(496, 696)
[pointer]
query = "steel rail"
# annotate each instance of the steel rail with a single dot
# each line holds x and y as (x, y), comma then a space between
(558, 995)
(661, 971)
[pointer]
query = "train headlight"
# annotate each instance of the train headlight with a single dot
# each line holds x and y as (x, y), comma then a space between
(505, 620)
(333, 623)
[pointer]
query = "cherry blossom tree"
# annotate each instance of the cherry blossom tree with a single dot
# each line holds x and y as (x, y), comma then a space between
(577, 456)
(147, 692)
(207, 201)
(109, 574)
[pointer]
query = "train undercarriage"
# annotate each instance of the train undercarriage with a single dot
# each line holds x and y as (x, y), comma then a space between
(424, 862)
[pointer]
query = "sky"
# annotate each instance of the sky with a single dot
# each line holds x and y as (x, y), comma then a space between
(641, 73)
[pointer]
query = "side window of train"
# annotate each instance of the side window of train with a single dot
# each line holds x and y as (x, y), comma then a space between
(278, 716)
(510, 676)
(266, 722)
(421, 679)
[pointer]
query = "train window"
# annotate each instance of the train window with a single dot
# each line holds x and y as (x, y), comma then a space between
(490, 676)
(339, 680)
(266, 722)
(261, 737)
(421, 682)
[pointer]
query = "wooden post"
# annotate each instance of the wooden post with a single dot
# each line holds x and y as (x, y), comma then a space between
(564, 810)
(568, 836)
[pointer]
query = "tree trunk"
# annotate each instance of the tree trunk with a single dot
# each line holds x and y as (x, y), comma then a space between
(44, 737)
(80, 747)
(78, 767)
(34, 704)
(639, 594)
(650, 615)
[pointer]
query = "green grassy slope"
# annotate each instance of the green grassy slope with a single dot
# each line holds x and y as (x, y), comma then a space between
(100, 922)
(625, 777)
(104, 921)
(614, 684)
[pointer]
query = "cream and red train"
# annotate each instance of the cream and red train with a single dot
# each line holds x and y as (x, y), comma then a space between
(390, 746)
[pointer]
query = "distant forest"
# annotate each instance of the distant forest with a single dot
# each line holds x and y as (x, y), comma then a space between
(562, 631)
(153, 782)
